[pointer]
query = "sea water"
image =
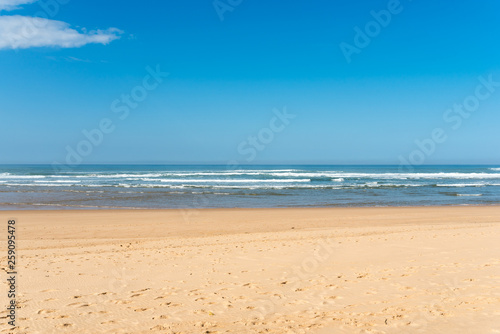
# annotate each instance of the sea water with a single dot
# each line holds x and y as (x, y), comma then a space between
(204, 186)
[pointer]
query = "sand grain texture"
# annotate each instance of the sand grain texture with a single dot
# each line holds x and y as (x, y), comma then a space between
(341, 270)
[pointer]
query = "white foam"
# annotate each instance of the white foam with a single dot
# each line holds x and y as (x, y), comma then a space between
(41, 184)
(462, 185)
(235, 180)
(10, 176)
(118, 176)
(397, 176)
(59, 181)
(269, 187)
(186, 173)
(285, 173)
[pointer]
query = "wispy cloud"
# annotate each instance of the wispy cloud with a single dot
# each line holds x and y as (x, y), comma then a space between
(13, 4)
(69, 59)
(21, 32)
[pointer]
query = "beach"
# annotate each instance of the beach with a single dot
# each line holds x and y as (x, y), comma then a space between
(290, 270)
(229, 166)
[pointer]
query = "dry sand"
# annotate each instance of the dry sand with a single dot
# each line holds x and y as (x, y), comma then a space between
(340, 270)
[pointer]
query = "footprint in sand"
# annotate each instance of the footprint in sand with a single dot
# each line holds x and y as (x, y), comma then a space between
(194, 294)
(82, 304)
(121, 301)
(160, 297)
(160, 328)
(136, 295)
(104, 293)
(332, 297)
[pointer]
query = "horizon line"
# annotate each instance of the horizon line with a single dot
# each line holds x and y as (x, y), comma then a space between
(262, 164)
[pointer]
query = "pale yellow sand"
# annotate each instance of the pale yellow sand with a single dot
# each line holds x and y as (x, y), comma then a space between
(356, 270)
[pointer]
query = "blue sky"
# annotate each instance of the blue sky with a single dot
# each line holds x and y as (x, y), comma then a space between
(227, 76)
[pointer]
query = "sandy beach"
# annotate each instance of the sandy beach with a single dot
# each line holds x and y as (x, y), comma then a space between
(293, 270)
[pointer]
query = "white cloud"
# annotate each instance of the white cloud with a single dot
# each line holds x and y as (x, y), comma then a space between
(13, 4)
(21, 32)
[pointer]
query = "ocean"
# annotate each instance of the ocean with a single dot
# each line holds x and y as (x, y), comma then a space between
(203, 186)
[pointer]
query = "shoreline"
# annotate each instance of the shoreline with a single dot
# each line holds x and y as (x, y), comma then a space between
(92, 208)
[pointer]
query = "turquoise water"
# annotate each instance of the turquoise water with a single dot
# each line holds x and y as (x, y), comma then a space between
(155, 186)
